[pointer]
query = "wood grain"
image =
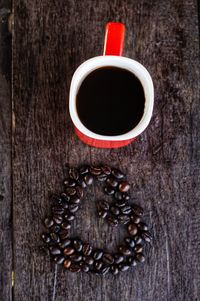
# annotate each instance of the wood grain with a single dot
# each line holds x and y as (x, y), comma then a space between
(5, 155)
(51, 38)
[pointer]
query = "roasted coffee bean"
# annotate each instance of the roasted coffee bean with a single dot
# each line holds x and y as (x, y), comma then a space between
(73, 174)
(73, 208)
(126, 209)
(55, 251)
(125, 197)
(98, 253)
(81, 183)
(48, 222)
(71, 191)
(125, 250)
(118, 258)
(46, 238)
(114, 210)
(138, 239)
(66, 225)
(75, 200)
(88, 179)
(143, 227)
(105, 270)
(58, 209)
(65, 205)
(123, 267)
(109, 190)
(114, 270)
(59, 259)
(112, 221)
(54, 237)
(124, 186)
(140, 257)
(65, 197)
(137, 210)
(69, 217)
(55, 228)
(98, 265)
(112, 182)
(57, 219)
(87, 249)
(117, 174)
(67, 263)
(138, 248)
(103, 205)
(102, 213)
(146, 236)
(79, 191)
(118, 196)
(69, 183)
(83, 170)
(68, 251)
(106, 170)
(131, 261)
(102, 178)
(130, 242)
(132, 229)
(135, 219)
(123, 219)
(78, 245)
(95, 171)
(56, 198)
(64, 234)
(84, 267)
(120, 203)
(76, 257)
(65, 243)
(108, 258)
(88, 259)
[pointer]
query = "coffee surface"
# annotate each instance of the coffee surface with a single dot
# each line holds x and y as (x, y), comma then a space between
(110, 101)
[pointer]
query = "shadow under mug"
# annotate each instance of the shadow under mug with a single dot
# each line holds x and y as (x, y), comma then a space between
(113, 47)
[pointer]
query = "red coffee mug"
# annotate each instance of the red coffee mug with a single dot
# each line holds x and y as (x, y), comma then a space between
(113, 47)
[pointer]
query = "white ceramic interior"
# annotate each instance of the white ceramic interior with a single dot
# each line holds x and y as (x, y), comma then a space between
(117, 61)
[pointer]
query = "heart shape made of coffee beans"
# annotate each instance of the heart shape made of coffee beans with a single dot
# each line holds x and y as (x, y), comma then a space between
(76, 255)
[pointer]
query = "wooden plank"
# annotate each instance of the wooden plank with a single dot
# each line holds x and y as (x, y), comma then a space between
(50, 40)
(5, 155)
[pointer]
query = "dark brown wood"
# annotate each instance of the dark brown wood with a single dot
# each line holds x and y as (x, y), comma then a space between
(5, 155)
(51, 38)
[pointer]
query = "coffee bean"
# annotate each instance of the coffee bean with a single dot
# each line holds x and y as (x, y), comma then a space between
(65, 243)
(112, 221)
(71, 191)
(98, 254)
(55, 228)
(95, 171)
(140, 257)
(138, 248)
(108, 258)
(109, 190)
(76, 257)
(65, 197)
(125, 250)
(130, 242)
(55, 251)
(102, 213)
(98, 265)
(78, 245)
(81, 183)
(56, 198)
(103, 205)
(64, 234)
(48, 222)
(69, 183)
(73, 208)
(68, 251)
(106, 170)
(135, 219)
(132, 229)
(126, 209)
(137, 210)
(138, 239)
(73, 174)
(131, 261)
(117, 174)
(123, 219)
(114, 270)
(83, 170)
(118, 258)
(67, 263)
(65, 205)
(84, 267)
(118, 196)
(101, 178)
(143, 227)
(87, 249)
(58, 219)
(66, 225)
(88, 259)
(123, 267)
(58, 210)
(79, 192)
(69, 217)
(125, 197)
(105, 270)
(114, 210)
(124, 186)
(54, 237)
(112, 182)
(46, 238)
(146, 236)
(88, 179)
(120, 203)
(75, 200)
(59, 259)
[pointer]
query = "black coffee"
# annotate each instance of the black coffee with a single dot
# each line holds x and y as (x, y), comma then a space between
(110, 101)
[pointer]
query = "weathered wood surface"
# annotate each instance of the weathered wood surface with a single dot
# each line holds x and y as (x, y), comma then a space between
(50, 39)
(5, 155)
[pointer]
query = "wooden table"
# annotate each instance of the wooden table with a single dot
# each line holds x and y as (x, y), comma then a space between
(41, 45)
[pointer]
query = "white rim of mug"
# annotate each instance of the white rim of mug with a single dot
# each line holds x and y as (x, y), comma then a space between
(112, 61)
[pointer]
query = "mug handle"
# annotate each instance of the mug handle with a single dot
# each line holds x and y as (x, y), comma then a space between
(114, 39)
